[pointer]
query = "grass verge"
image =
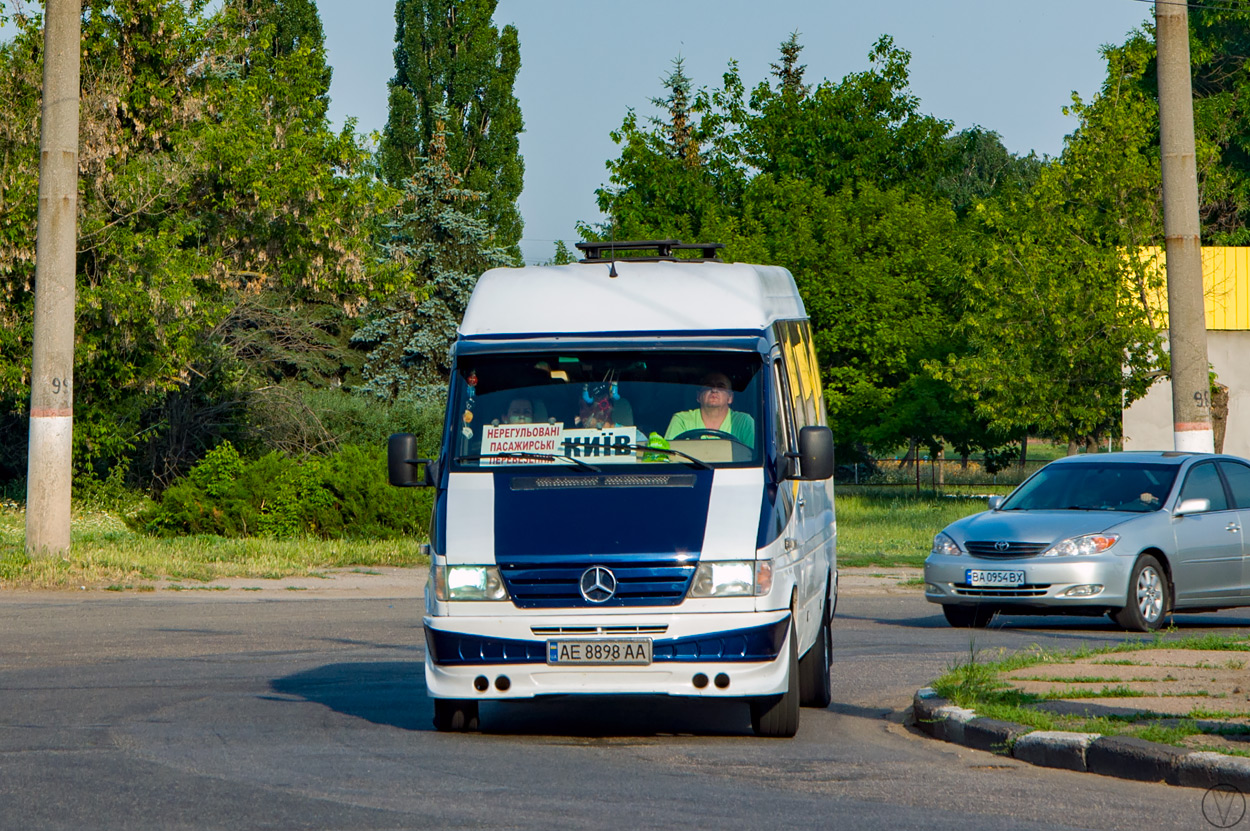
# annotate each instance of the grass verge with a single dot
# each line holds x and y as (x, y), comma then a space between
(105, 553)
(976, 683)
(894, 530)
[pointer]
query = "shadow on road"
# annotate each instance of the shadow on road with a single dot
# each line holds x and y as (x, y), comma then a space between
(382, 692)
(393, 693)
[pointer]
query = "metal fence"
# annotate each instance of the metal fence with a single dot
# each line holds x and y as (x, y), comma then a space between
(934, 474)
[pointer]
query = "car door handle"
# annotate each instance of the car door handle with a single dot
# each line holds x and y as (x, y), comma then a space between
(800, 502)
(1232, 526)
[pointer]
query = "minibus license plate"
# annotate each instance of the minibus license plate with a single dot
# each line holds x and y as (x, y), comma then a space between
(982, 577)
(621, 651)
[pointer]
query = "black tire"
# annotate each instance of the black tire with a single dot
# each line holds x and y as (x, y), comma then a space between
(455, 715)
(815, 687)
(969, 617)
(1149, 597)
(777, 716)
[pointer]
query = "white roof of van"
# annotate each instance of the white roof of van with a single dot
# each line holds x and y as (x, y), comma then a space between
(643, 297)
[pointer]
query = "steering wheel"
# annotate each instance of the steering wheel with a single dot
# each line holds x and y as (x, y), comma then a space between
(705, 433)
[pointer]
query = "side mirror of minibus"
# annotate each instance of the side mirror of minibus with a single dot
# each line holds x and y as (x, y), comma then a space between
(401, 463)
(815, 454)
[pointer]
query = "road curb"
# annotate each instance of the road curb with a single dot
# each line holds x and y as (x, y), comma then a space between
(1119, 756)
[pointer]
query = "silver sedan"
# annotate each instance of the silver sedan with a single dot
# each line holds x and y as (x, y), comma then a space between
(1132, 535)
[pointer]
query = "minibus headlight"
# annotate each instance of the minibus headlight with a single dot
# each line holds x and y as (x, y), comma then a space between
(468, 583)
(732, 578)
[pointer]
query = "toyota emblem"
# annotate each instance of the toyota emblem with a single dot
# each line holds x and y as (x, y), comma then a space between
(598, 584)
(1002, 545)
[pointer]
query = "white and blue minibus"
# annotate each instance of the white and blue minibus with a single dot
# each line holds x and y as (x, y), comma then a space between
(634, 492)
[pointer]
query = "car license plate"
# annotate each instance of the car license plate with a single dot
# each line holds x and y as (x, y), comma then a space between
(983, 577)
(623, 651)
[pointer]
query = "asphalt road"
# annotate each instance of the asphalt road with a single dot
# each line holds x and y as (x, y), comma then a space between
(228, 711)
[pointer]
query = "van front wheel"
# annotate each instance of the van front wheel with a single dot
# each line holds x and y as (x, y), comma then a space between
(777, 716)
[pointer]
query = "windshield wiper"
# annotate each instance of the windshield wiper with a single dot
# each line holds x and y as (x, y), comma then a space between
(546, 457)
(670, 451)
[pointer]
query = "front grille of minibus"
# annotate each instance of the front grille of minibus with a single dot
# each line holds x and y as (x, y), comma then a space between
(639, 582)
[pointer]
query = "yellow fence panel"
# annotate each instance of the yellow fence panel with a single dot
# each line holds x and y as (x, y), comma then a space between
(1225, 284)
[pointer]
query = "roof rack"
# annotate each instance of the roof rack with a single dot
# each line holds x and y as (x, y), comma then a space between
(603, 251)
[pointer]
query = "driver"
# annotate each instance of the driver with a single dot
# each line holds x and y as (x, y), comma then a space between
(714, 397)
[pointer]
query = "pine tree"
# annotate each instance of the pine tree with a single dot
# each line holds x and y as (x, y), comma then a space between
(679, 129)
(443, 242)
(449, 54)
(789, 73)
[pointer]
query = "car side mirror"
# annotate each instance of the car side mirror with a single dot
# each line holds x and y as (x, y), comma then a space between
(996, 502)
(1192, 506)
(815, 454)
(402, 464)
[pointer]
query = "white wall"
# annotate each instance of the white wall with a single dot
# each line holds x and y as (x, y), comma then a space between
(1148, 422)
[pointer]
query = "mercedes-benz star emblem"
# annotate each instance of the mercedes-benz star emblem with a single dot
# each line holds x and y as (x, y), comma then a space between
(1002, 545)
(597, 584)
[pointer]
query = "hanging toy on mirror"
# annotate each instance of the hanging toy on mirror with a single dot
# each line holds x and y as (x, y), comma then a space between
(472, 379)
(597, 400)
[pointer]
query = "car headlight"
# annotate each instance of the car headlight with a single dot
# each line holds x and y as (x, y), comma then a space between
(943, 544)
(468, 583)
(732, 578)
(1082, 546)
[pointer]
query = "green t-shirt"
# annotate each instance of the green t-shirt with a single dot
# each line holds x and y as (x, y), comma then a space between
(739, 425)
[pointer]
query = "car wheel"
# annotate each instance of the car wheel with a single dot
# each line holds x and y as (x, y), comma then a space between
(815, 688)
(777, 716)
(969, 617)
(455, 715)
(1149, 598)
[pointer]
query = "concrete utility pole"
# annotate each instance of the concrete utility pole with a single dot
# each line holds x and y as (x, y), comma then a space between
(1187, 324)
(52, 371)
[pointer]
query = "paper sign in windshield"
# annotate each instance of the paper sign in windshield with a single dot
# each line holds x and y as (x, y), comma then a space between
(613, 444)
(520, 438)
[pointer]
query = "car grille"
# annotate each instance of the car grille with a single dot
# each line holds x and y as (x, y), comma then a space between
(980, 548)
(1026, 590)
(640, 581)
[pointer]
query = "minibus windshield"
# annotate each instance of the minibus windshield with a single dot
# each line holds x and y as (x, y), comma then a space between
(593, 409)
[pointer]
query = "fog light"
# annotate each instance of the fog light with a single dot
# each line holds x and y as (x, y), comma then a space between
(1083, 591)
(932, 588)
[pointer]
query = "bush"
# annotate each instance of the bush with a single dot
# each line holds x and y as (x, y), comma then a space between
(302, 420)
(344, 495)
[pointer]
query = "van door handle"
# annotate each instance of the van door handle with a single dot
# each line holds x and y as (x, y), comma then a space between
(800, 502)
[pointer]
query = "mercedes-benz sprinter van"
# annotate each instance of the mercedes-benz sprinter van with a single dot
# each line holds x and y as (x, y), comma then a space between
(634, 492)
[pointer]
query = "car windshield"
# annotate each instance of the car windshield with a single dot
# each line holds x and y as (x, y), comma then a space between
(694, 409)
(1108, 486)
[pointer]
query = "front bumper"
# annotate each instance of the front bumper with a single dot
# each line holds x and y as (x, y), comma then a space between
(748, 649)
(1046, 582)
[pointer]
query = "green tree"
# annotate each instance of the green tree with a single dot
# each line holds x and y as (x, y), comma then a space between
(838, 184)
(1055, 315)
(867, 128)
(677, 174)
(450, 55)
(980, 167)
(443, 241)
(209, 177)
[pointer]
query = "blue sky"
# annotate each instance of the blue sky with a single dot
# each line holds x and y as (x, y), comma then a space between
(1007, 65)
